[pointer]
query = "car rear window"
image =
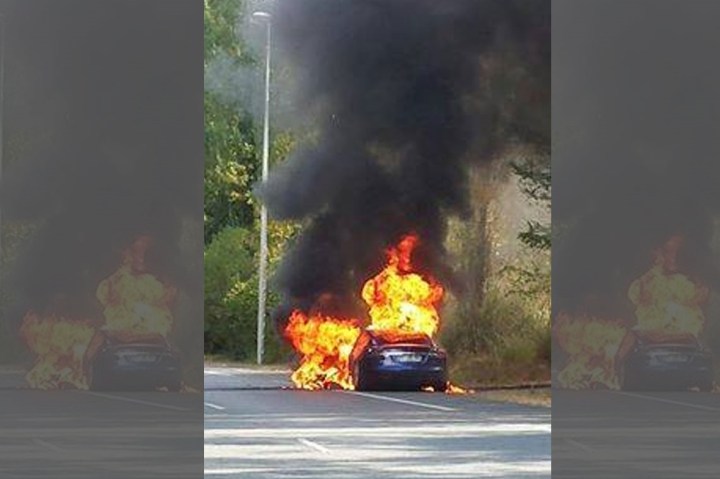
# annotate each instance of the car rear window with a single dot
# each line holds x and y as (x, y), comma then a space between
(394, 337)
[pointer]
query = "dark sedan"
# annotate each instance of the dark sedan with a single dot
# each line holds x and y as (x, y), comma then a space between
(668, 366)
(386, 360)
(134, 366)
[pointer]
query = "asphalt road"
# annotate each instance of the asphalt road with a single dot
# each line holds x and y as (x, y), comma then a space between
(81, 434)
(255, 429)
(602, 434)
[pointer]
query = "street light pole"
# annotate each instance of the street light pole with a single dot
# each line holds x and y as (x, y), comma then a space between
(2, 158)
(262, 271)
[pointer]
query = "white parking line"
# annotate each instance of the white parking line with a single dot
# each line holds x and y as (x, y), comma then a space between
(580, 445)
(314, 445)
(48, 445)
(401, 401)
(136, 401)
(669, 401)
(214, 406)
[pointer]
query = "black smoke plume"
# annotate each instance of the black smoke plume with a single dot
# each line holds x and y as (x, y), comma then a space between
(403, 96)
(101, 143)
(636, 150)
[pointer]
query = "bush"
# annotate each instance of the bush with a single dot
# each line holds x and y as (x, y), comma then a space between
(503, 336)
(231, 298)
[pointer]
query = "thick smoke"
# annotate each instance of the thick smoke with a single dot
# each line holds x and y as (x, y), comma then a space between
(101, 143)
(402, 97)
(636, 148)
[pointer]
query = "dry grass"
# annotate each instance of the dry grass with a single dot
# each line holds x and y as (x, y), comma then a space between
(525, 397)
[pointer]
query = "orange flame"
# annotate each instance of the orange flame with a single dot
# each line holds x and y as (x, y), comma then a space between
(59, 345)
(399, 301)
(453, 389)
(449, 389)
(591, 344)
(325, 344)
(136, 305)
(668, 305)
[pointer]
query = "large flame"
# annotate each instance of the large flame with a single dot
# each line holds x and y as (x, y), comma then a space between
(592, 344)
(399, 301)
(136, 306)
(668, 306)
(325, 344)
(668, 301)
(60, 346)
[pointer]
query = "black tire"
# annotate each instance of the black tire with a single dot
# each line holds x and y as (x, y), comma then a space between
(706, 386)
(359, 379)
(627, 381)
(97, 384)
(174, 387)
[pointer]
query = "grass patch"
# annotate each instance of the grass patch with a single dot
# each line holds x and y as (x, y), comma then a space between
(541, 397)
(488, 371)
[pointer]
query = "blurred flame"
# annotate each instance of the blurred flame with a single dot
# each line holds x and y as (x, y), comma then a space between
(325, 344)
(592, 344)
(668, 304)
(399, 300)
(136, 306)
(453, 389)
(60, 346)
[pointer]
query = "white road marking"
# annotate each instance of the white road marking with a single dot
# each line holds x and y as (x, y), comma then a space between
(401, 401)
(48, 445)
(136, 401)
(314, 445)
(441, 427)
(214, 406)
(668, 401)
(237, 470)
(580, 445)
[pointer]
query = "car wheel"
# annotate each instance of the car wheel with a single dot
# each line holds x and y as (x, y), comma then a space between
(98, 384)
(706, 386)
(174, 386)
(627, 381)
(358, 378)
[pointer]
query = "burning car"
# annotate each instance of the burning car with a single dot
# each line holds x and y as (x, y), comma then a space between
(675, 365)
(395, 350)
(145, 365)
(388, 360)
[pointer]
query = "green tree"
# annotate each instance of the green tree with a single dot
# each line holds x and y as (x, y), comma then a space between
(535, 180)
(232, 167)
(231, 159)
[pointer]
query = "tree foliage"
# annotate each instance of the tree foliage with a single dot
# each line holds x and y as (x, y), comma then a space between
(536, 181)
(231, 159)
(232, 167)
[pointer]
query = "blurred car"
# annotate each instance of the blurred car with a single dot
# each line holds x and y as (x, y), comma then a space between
(667, 366)
(143, 365)
(388, 360)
